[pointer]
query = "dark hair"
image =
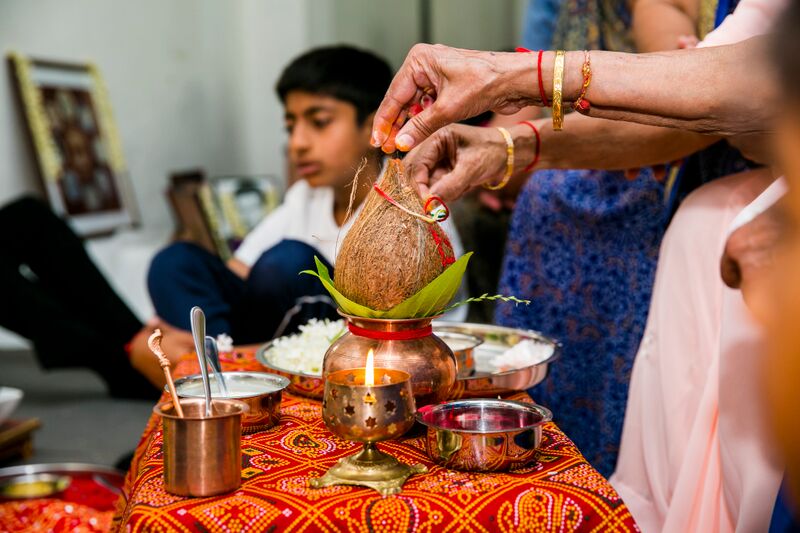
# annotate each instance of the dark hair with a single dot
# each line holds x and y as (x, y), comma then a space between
(343, 72)
(786, 48)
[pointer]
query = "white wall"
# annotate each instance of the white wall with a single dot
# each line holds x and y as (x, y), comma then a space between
(190, 82)
(391, 27)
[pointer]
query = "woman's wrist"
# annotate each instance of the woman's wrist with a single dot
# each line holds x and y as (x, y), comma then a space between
(519, 79)
(573, 76)
(526, 146)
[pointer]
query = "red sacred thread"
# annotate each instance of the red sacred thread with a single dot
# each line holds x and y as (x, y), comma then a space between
(426, 217)
(446, 261)
(390, 335)
(539, 72)
(538, 145)
(435, 198)
(541, 83)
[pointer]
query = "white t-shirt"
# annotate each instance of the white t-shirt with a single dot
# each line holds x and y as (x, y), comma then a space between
(306, 215)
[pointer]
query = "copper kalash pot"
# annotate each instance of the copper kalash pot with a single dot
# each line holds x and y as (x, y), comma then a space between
(408, 345)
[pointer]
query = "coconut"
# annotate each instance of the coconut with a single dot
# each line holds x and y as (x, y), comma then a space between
(389, 255)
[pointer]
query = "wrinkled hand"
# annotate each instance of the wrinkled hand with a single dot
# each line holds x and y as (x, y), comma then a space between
(462, 84)
(456, 159)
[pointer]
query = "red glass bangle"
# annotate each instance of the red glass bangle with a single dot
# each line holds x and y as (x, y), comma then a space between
(542, 94)
(538, 145)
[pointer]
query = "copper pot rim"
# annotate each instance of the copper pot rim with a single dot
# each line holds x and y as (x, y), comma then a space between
(243, 408)
(545, 414)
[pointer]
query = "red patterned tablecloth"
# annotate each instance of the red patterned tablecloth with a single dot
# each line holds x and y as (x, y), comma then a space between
(561, 492)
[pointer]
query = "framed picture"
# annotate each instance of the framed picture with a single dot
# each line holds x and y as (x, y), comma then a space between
(218, 213)
(75, 143)
(242, 201)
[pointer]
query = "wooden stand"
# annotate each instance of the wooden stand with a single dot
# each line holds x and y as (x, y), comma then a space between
(16, 438)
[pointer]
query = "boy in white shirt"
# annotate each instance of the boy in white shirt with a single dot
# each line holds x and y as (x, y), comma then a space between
(329, 97)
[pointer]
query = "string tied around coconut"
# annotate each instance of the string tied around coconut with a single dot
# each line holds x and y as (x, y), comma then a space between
(435, 208)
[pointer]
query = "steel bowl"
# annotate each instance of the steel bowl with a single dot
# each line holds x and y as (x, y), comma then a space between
(483, 435)
(463, 346)
(259, 390)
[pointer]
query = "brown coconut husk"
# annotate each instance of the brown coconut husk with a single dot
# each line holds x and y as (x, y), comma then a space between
(389, 255)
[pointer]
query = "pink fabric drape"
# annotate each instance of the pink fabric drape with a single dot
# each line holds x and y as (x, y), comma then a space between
(693, 456)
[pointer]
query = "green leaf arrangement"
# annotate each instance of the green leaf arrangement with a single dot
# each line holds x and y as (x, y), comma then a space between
(431, 300)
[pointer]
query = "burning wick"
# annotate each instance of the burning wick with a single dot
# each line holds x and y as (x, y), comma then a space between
(369, 373)
(369, 377)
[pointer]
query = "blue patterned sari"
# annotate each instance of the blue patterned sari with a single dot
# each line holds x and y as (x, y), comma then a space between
(583, 247)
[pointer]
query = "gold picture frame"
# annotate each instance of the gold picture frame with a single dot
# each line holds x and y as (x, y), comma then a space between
(75, 143)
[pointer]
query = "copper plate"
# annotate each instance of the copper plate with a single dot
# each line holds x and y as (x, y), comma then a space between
(485, 382)
(56, 477)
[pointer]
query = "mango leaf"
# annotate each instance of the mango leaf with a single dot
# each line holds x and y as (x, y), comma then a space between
(431, 300)
(345, 304)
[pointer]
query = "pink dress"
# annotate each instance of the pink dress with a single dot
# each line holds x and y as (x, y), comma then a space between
(693, 457)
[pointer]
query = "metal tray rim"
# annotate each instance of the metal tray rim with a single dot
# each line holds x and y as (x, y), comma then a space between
(452, 326)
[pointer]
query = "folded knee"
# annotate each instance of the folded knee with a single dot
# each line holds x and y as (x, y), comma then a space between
(282, 264)
(177, 260)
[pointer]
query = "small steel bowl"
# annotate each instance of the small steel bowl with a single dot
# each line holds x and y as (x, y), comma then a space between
(463, 346)
(259, 390)
(33, 486)
(483, 435)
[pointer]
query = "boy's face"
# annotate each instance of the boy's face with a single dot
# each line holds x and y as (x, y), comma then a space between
(326, 142)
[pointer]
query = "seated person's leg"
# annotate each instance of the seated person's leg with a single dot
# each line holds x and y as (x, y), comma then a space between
(183, 275)
(64, 339)
(279, 299)
(33, 235)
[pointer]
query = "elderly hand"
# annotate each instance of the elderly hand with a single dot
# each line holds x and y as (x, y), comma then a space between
(748, 257)
(458, 158)
(462, 83)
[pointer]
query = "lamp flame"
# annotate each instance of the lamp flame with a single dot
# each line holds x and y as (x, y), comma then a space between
(369, 373)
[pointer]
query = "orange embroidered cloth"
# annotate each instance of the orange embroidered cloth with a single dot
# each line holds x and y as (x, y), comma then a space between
(561, 492)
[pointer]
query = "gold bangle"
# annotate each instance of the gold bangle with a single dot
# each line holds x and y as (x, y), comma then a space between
(558, 85)
(509, 161)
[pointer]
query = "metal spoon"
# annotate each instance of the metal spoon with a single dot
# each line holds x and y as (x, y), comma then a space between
(213, 359)
(198, 320)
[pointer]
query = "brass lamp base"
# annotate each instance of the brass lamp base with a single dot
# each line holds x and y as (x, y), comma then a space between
(369, 468)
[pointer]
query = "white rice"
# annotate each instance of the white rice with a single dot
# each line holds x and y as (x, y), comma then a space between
(304, 351)
(523, 354)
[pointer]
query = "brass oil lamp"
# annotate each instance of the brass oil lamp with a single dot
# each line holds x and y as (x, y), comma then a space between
(368, 405)
(408, 345)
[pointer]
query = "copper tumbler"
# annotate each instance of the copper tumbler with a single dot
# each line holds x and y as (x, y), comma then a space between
(202, 455)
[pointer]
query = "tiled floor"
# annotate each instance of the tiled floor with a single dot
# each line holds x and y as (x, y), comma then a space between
(80, 422)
